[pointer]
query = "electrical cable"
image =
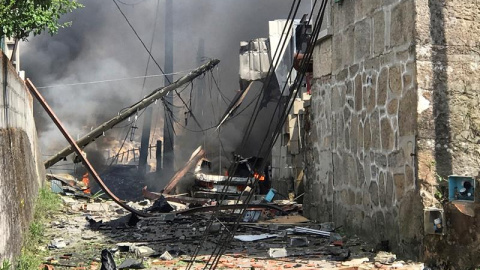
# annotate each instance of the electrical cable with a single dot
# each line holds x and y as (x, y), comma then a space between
(141, 41)
(293, 94)
(225, 99)
(114, 80)
(130, 4)
(233, 167)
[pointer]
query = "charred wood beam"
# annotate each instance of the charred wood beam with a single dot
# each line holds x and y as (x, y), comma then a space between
(196, 156)
(78, 151)
(145, 102)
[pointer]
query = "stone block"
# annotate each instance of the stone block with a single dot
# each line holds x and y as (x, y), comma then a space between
(389, 190)
(409, 177)
(396, 159)
(336, 99)
(354, 133)
(367, 201)
(360, 137)
(322, 58)
(362, 42)
(338, 18)
(367, 222)
(358, 198)
(381, 189)
(374, 170)
(375, 128)
(407, 114)
(382, 86)
(347, 138)
(387, 58)
(373, 189)
(346, 113)
(367, 135)
(349, 90)
(351, 197)
(408, 75)
(392, 107)
(395, 79)
(358, 93)
(381, 160)
(370, 96)
(372, 64)
(337, 54)
(402, 23)
(342, 75)
(379, 32)
(367, 169)
(360, 11)
(388, 136)
(353, 69)
(348, 45)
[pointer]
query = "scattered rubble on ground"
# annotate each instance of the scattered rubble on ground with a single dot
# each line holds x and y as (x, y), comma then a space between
(279, 238)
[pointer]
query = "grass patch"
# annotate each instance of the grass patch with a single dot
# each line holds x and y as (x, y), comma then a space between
(6, 265)
(46, 205)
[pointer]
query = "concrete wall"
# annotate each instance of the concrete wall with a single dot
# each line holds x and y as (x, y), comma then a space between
(448, 68)
(360, 163)
(21, 172)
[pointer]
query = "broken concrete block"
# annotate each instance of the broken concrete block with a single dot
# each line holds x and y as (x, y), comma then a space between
(166, 256)
(96, 207)
(277, 252)
(68, 200)
(131, 264)
(142, 251)
(385, 257)
(57, 243)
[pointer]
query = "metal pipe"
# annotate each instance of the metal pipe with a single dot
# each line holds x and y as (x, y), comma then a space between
(145, 102)
(78, 151)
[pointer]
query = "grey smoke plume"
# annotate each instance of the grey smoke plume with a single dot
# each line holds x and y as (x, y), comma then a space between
(100, 45)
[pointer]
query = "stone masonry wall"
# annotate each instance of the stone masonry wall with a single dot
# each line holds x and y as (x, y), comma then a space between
(448, 68)
(360, 162)
(21, 169)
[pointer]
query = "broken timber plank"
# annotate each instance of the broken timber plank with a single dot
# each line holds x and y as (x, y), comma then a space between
(196, 156)
(145, 102)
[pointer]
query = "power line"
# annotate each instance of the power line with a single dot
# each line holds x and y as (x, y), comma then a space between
(141, 41)
(114, 80)
(300, 76)
(218, 249)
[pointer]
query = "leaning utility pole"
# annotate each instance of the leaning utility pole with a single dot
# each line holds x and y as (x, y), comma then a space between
(145, 102)
(168, 138)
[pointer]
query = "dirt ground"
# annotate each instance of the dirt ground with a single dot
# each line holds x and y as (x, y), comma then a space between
(82, 229)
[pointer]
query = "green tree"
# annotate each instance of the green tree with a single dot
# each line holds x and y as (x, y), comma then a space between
(19, 18)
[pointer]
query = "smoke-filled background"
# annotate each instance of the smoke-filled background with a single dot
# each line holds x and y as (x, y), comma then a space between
(101, 46)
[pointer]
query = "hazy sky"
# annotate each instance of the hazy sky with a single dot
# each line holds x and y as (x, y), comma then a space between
(101, 46)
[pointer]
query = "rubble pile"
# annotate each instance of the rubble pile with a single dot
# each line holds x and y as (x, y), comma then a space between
(94, 233)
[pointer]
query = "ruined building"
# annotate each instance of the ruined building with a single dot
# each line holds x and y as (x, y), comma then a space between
(394, 113)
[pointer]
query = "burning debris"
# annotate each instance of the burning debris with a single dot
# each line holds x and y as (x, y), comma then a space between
(240, 180)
